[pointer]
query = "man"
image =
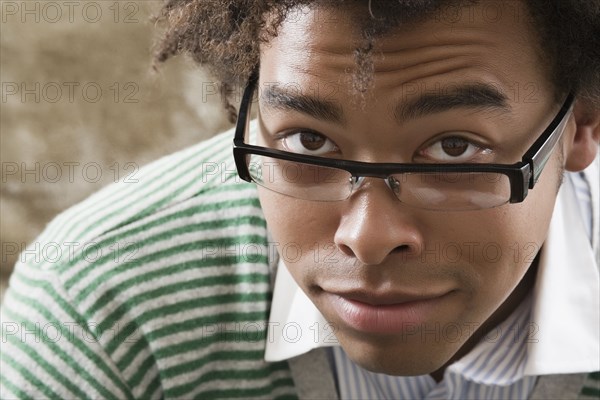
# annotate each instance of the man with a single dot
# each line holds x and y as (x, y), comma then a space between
(428, 177)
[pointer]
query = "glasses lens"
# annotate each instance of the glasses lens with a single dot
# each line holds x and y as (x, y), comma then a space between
(453, 191)
(299, 180)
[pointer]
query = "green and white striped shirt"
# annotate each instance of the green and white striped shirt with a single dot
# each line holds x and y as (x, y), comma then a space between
(158, 288)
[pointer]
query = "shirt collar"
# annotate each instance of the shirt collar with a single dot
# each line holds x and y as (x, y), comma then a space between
(295, 323)
(566, 296)
(564, 313)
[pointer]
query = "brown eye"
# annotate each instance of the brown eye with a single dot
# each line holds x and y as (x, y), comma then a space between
(454, 146)
(312, 141)
(453, 149)
(308, 142)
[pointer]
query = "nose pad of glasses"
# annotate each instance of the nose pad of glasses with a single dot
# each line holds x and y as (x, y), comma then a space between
(393, 184)
(355, 182)
(390, 181)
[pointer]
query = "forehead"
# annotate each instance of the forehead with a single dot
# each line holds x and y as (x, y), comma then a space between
(491, 41)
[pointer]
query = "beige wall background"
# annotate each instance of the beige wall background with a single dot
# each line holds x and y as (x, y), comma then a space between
(81, 107)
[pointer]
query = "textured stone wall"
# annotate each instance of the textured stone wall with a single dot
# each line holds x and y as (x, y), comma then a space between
(82, 108)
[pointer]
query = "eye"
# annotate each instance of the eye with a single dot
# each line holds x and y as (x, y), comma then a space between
(453, 149)
(307, 142)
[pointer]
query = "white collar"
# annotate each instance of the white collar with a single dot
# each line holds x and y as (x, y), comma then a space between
(565, 305)
(566, 295)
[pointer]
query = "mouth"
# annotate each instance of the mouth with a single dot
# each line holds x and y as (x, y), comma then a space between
(387, 312)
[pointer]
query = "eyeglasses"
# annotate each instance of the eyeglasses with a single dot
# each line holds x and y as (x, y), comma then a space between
(443, 187)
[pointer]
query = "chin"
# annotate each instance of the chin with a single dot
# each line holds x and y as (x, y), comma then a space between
(399, 359)
(397, 365)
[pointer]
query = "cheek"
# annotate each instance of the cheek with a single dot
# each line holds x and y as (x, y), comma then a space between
(503, 242)
(530, 219)
(297, 226)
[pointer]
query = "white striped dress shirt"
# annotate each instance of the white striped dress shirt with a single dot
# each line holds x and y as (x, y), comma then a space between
(584, 196)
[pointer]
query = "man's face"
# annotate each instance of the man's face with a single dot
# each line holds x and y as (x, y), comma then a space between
(406, 287)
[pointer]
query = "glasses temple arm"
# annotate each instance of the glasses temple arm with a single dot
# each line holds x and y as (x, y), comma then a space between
(541, 150)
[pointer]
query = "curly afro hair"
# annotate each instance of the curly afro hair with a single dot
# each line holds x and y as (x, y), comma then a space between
(224, 36)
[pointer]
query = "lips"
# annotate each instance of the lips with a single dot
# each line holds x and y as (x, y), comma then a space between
(385, 313)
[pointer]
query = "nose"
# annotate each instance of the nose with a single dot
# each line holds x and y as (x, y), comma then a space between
(374, 225)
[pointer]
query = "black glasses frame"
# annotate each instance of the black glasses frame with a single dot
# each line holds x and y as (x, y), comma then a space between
(522, 175)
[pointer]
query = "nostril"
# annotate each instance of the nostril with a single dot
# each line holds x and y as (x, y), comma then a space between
(346, 250)
(402, 249)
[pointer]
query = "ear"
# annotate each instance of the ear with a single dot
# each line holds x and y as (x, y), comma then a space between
(581, 147)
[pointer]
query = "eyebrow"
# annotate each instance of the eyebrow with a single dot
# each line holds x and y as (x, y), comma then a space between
(478, 96)
(290, 100)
